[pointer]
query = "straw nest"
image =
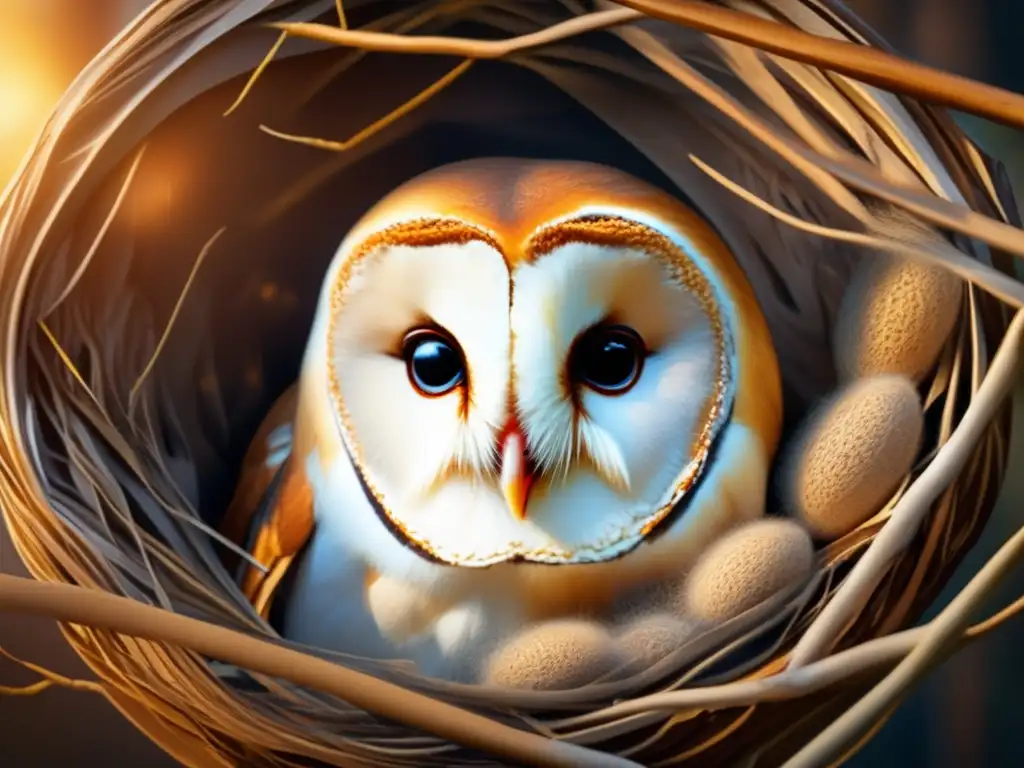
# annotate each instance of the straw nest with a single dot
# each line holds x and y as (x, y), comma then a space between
(159, 262)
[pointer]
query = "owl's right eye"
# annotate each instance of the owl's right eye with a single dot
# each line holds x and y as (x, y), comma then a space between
(434, 362)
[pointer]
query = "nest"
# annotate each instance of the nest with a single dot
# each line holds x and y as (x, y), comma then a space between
(159, 264)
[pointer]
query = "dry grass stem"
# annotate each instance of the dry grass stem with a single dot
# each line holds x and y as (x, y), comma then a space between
(50, 679)
(174, 315)
(998, 284)
(260, 69)
(870, 65)
(374, 128)
(465, 48)
(909, 512)
(96, 609)
(940, 638)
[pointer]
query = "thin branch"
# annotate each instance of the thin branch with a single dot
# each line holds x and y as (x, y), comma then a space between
(860, 175)
(910, 511)
(65, 358)
(174, 316)
(371, 130)
(49, 680)
(937, 643)
(788, 684)
(33, 689)
(658, 53)
(466, 48)
(866, 64)
(999, 284)
(260, 68)
(100, 234)
(869, 65)
(94, 608)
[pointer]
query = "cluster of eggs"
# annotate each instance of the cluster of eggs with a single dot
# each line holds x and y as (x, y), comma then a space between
(845, 460)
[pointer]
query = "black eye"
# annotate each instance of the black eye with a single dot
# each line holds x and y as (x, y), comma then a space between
(608, 359)
(434, 362)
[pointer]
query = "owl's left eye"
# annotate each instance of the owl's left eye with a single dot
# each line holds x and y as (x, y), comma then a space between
(434, 362)
(608, 359)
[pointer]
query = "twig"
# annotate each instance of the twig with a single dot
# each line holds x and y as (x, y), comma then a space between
(869, 65)
(658, 53)
(70, 365)
(260, 68)
(49, 680)
(100, 234)
(33, 689)
(999, 284)
(94, 608)
(938, 641)
(861, 62)
(174, 316)
(788, 684)
(466, 48)
(909, 512)
(946, 214)
(376, 127)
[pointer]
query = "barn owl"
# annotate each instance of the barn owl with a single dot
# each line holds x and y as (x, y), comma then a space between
(529, 387)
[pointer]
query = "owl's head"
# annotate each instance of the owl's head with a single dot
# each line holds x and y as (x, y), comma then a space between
(535, 361)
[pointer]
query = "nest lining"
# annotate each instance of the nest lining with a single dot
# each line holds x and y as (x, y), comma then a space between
(132, 430)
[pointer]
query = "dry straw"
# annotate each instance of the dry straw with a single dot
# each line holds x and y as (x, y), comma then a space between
(125, 403)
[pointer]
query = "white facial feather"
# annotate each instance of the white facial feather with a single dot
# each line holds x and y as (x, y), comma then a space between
(604, 463)
(408, 440)
(624, 451)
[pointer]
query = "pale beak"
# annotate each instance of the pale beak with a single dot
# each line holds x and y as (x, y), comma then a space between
(516, 477)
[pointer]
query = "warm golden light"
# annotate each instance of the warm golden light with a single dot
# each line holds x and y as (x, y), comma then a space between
(31, 82)
(22, 103)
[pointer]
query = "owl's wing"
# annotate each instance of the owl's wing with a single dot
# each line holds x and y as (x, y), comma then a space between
(271, 513)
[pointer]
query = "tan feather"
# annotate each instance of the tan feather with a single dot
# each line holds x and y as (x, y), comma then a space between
(272, 481)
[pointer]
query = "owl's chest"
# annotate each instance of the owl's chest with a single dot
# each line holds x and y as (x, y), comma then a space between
(338, 601)
(357, 587)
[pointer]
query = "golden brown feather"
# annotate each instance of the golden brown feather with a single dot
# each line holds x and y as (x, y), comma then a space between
(288, 521)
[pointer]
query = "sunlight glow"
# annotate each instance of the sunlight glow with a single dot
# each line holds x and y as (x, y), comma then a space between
(30, 85)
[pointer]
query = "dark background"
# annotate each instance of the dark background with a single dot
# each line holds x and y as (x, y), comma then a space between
(967, 713)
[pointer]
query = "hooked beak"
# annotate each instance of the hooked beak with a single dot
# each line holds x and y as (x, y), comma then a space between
(516, 475)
